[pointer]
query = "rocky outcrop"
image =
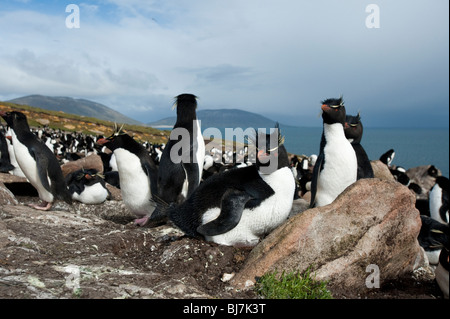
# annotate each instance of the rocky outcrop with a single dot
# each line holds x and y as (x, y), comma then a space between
(6, 196)
(92, 161)
(372, 226)
(95, 251)
(381, 171)
(425, 177)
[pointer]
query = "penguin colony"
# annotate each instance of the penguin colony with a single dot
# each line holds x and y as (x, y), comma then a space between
(225, 197)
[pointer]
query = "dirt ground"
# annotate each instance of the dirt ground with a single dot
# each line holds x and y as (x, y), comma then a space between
(95, 252)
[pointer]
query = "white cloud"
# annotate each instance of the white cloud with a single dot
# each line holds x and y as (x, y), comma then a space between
(264, 56)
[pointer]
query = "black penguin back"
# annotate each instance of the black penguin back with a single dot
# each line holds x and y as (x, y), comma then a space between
(122, 140)
(186, 105)
(173, 173)
(78, 180)
(45, 160)
(353, 130)
(188, 215)
(5, 161)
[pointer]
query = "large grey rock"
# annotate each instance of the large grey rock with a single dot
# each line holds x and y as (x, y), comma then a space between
(373, 222)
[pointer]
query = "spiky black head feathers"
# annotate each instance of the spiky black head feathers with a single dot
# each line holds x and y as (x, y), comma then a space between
(353, 128)
(333, 111)
(334, 102)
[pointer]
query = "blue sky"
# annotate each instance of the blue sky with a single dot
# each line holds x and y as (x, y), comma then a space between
(276, 58)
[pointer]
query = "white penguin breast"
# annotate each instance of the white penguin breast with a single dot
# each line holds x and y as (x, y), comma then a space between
(436, 203)
(92, 194)
(262, 219)
(29, 168)
(340, 167)
(134, 183)
(200, 153)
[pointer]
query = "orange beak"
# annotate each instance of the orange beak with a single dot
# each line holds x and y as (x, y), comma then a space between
(102, 141)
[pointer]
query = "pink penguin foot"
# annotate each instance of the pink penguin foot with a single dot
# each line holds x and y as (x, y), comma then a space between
(43, 206)
(141, 221)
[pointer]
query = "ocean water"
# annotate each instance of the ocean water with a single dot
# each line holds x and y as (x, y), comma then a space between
(413, 147)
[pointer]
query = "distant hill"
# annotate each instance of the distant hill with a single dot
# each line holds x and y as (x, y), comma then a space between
(75, 106)
(222, 118)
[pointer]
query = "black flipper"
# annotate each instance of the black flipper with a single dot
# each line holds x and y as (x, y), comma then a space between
(233, 204)
(315, 178)
(152, 177)
(42, 169)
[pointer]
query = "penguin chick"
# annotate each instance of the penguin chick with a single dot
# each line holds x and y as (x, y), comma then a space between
(37, 162)
(137, 174)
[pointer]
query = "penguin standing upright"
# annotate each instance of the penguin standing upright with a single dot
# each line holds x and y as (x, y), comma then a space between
(17, 171)
(37, 162)
(439, 200)
(239, 206)
(181, 165)
(137, 173)
(5, 160)
(353, 131)
(336, 166)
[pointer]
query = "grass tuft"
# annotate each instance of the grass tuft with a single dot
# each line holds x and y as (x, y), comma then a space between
(292, 285)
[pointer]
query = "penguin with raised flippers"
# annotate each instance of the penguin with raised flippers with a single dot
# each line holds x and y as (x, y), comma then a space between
(336, 166)
(181, 165)
(37, 162)
(137, 173)
(353, 131)
(239, 206)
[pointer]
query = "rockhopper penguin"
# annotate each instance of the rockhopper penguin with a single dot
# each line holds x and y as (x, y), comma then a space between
(137, 173)
(37, 162)
(181, 165)
(336, 166)
(353, 131)
(439, 200)
(239, 206)
(87, 186)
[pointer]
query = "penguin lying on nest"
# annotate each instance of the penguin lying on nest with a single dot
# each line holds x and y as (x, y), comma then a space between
(137, 173)
(239, 206)
(87, 186)
(37, 162)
